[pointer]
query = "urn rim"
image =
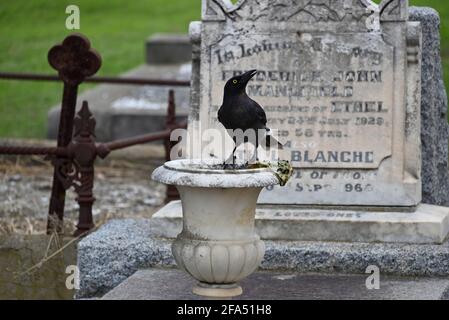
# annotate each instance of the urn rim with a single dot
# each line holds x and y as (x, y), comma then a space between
(202, 173)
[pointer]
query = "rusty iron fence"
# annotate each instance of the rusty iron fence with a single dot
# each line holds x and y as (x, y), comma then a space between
(74, 156)
(111, 80)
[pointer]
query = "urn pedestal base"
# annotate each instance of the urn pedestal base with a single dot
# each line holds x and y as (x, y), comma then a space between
(218, 291)
(218, 245)
(218, 265)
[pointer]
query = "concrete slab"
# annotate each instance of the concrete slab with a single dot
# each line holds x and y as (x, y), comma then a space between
(121, 247)
(166, 284)
(167, 48)
(428, 224)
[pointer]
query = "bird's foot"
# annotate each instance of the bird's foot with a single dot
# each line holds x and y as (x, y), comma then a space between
(227, 166)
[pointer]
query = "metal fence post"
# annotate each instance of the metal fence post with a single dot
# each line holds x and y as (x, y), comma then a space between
(74, 156)
(74, 60)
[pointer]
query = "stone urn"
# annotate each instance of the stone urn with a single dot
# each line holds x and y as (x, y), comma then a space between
(218, 245)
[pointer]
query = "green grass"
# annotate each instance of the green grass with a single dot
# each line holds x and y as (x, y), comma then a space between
(117, 29)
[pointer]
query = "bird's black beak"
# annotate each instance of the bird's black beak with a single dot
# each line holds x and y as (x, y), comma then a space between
(248, 75)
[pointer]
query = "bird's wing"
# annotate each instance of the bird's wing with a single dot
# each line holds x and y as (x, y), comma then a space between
(220, 115)
(260, 113)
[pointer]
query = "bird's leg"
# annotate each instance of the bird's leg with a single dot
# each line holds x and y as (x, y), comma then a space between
(257, 144)
(233, 151)
(227, 162)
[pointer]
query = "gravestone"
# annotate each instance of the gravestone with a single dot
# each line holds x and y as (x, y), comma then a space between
(342, 90)
(341, 81)
(168, 48)
(106, 257)
(434, 107)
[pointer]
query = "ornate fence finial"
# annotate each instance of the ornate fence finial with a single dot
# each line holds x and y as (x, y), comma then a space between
(74, 59)
(84, 123)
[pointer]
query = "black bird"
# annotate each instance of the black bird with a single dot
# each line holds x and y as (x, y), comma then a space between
(239, 111)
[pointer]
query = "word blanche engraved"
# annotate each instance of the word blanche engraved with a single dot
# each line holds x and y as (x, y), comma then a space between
(333, 156)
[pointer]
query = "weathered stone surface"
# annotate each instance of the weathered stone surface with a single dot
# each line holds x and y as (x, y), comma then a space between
(123, 111)
(344, 257)
(121, 247)
(208, 174)
(346, 104)
(428, 224)
(116, 251)
(163, 48)
(167, 222)
(154, 284)
(434, 125)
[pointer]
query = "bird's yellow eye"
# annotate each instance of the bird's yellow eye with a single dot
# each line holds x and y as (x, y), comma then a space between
(234, 81)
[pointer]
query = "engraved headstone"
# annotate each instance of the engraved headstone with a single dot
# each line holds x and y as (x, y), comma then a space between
(341, 81)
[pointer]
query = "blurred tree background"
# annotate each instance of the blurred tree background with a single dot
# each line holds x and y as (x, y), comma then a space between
(117, 29)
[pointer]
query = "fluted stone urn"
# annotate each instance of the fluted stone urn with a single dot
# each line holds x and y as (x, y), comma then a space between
(218, 245)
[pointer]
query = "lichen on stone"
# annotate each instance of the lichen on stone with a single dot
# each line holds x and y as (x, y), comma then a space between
(282, 169)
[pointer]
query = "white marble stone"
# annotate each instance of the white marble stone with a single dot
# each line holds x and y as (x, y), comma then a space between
(217, 244)
(428, 224)
(208, 173)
